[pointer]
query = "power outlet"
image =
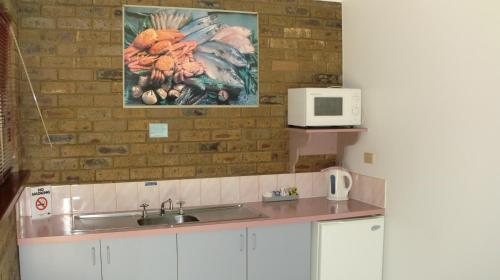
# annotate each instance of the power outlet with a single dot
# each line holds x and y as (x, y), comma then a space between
(369, 158)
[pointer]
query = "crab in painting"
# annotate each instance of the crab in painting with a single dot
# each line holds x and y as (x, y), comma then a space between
(149, 37)
(163, 68)
(188, 69)
(141, 62)
(178, 59)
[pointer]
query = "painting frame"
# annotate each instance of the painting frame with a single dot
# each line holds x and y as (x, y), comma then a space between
(125, 87)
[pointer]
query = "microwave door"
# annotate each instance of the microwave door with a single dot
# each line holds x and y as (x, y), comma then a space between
(328, 107)
(326, 111)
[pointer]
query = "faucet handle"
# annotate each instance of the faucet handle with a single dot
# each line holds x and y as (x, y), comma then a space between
(144, 210)
(181, 203)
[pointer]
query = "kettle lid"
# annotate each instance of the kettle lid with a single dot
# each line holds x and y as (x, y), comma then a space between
(332, 168)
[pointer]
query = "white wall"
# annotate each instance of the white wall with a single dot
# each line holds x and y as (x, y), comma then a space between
(430, 72)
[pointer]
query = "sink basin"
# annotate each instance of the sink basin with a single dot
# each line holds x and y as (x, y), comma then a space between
(131, 220)
(105, 221)
(180, 219)
(167, 220)
(224, 213)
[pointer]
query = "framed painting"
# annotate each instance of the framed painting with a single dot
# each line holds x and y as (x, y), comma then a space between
(178, 57)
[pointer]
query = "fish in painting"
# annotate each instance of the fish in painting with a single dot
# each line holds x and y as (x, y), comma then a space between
(224, 52)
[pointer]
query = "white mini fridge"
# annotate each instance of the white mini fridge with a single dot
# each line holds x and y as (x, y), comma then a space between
(350, 249)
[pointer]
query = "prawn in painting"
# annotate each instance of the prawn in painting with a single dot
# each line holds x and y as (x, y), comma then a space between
(189, 57)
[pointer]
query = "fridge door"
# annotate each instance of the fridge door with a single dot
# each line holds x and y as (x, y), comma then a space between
(348, 249)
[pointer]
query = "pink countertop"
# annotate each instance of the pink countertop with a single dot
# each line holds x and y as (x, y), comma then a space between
(58, 228)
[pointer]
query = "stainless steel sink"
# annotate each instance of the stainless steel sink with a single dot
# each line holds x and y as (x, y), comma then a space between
(167, 220)
(130, 220)
(223, 213)
(105, 221)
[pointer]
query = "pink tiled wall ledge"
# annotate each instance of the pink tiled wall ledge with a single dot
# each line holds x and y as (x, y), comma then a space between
(97, 198)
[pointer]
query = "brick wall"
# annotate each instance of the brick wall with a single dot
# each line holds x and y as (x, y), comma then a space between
(9, 262)
(73, 49)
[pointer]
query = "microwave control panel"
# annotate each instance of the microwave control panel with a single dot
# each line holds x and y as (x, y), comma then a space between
(356, 105)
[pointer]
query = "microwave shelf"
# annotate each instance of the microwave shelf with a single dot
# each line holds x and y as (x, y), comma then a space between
(326, 129)
(320, 141)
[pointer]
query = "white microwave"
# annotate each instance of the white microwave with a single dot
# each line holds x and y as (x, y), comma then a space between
(317, 107)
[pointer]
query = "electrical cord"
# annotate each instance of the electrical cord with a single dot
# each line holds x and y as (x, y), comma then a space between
(30, 84)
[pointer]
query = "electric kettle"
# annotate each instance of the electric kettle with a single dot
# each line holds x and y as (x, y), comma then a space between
(336, 183)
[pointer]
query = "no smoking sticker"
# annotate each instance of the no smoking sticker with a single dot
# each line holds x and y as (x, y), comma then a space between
(41, 202)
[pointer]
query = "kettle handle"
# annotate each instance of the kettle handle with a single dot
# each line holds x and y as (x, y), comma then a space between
(348, 175)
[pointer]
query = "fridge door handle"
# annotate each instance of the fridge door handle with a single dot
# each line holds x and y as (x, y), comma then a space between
(108, 254)
(376, 227)
(93, 256)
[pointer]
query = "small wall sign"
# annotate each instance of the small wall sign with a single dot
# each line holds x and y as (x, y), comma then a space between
(41, 202)
(150, 184)
(158, 130)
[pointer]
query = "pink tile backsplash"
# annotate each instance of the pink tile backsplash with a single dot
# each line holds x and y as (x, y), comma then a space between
(190, 192)
(149, 193)
(249, 189)
(104, 198)
(319, 184)
(24, 205)
(230, 190)
(127, 198)
(196, 192)
(61, 200)
(267, 183)
(368, 189)
(210, 191)
(286, 180)
(169, 190)
(82, 198)
(304, 182)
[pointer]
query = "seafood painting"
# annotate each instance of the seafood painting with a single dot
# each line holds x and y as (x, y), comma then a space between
(189, 57)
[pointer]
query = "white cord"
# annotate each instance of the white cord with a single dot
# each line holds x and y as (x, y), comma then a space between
(31, 86)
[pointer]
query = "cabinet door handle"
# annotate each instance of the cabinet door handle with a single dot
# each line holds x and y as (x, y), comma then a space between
(242, 242)
(93, 256)
(254, 241)
(108, 254)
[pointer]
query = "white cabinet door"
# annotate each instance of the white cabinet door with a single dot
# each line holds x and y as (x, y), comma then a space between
(348, 249)
(149, 257)
(212, 255)
(61, 261)
(279, 252)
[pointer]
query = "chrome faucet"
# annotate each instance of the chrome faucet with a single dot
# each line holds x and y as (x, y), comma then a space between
(170, 206)
(181, 210)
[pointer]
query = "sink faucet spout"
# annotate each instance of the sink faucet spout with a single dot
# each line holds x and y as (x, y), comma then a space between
(170, 206)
